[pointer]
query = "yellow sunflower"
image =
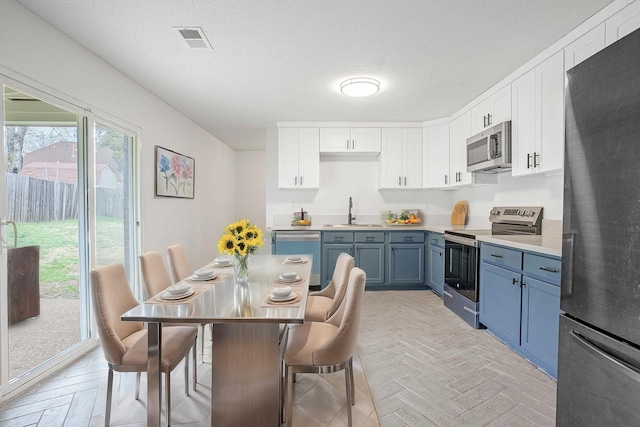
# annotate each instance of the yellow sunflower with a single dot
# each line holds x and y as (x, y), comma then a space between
(227, 244)
(242, 248)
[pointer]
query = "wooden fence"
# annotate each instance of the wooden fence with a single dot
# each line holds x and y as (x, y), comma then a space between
(37, 200)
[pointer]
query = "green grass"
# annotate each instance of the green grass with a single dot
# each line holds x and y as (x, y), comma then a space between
(58, 243)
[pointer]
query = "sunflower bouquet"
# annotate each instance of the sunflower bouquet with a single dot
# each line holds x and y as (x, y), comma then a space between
(240, 239)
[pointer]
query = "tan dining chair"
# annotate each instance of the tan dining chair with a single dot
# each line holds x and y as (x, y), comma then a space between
(325, 347)
(156, 279)
(180, 266)
(125, 343)
(322, 304)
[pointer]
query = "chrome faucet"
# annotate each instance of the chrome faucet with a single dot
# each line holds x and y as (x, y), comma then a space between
(350, 218)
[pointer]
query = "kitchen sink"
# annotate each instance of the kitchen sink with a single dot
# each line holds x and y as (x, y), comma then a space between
(354, 225)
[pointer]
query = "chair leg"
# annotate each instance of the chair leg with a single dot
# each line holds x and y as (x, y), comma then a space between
(347, 382)
(138, 384)
(186, 375)
(107, 412)
(288, 373)
(202, 340)
(167, 392)
(353, 386)
(195, 362)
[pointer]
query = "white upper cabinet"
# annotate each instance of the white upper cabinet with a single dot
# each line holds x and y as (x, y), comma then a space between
(298, 158)
(587, 45)
(350, 140)
(622, 23)
(401, 158)
(492, 110)
(538, 118)
(435, 169)
(460, 130)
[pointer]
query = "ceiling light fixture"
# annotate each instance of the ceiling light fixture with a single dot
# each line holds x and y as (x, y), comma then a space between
(360, 86)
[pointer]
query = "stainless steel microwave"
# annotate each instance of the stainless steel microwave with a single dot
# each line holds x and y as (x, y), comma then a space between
(490, 150)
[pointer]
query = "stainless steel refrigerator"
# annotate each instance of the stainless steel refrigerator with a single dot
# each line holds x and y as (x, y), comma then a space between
(599, 347)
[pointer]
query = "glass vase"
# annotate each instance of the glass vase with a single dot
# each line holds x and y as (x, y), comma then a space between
(241, 268)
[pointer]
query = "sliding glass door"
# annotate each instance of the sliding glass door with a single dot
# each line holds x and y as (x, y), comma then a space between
(66, 204)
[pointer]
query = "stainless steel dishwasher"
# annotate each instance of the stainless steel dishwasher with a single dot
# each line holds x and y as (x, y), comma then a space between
(299, 243)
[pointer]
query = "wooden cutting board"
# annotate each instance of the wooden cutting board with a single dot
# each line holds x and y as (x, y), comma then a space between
(459, 214)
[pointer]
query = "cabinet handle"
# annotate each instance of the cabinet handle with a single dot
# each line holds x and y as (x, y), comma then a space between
(488, 119)
(535, 158)
(296, 181)
(514, 281)
(434, 241)
(353, 144)
(405, 181)
(550, 270)
(496, 256)
(300, 179)
(347, 144)
(484, 121)
(528, 160)
(522, 284)
(447, 294)
(399, 180)
(445, 179)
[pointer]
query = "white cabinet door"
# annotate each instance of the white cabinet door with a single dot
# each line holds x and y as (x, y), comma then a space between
(412, 157)
(436, 156)
(298, 158)
(587, 45)
(492, 110)
(479, 116)
(500, 103)
(335, 140)
(288, 158)
(523, 123)
(366, 140)
(549, 154)
(622, 23)
(460, 131)
(309, 157)
(350, 140)
(390, 162)
(401, 158)
(537, 130)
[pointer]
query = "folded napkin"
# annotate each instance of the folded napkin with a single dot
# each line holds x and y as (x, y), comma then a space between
(157, 299)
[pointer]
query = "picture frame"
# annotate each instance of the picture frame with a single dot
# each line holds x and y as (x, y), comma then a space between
(174, 174)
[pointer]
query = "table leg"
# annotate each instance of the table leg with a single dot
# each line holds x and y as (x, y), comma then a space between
(245, 384)
(154, 391)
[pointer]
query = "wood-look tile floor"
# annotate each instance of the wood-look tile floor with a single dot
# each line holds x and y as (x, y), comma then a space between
(424, 367)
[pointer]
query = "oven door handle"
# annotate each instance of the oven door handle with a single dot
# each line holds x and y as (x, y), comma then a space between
(461, 240)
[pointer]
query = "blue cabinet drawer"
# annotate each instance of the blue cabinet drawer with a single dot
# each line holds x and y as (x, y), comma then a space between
(337, 237)
(406, 237)
(369, 237)
(436, 239)
(498, 255)
(543, 267)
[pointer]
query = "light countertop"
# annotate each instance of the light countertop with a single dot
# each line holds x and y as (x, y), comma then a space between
(356, 227)
(548, 245)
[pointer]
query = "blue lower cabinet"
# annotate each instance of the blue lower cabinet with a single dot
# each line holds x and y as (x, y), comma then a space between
(370, 258)
(406, 263)
(540, 323)
(520, 302)
(330, 254)
(500, 302)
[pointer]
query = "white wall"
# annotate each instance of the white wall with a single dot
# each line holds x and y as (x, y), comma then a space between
(251, 186)
(33, 52)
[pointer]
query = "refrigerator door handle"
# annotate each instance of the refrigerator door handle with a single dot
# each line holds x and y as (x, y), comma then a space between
(619, 365)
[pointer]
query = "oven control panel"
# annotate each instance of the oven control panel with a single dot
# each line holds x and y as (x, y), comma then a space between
(530, 215)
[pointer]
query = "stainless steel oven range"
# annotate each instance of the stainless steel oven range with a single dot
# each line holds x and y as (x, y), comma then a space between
(462, 257)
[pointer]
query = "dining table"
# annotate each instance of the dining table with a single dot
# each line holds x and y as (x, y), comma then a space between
(246, 353)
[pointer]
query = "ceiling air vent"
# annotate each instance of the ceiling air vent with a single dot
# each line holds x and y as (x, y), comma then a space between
(194, 36)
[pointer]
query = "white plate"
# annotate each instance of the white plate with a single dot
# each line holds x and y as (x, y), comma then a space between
(283, 280)
(202, 279)
(291, 296)
(168, 295)
(221, 264)
(298, 261)
(294, 259)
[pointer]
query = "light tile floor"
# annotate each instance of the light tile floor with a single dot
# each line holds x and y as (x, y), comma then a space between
(423, 365)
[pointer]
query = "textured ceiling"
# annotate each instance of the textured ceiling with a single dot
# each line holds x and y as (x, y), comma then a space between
(283, 60)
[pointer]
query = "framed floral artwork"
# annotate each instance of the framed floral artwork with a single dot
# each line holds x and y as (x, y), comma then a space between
(175, 174)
